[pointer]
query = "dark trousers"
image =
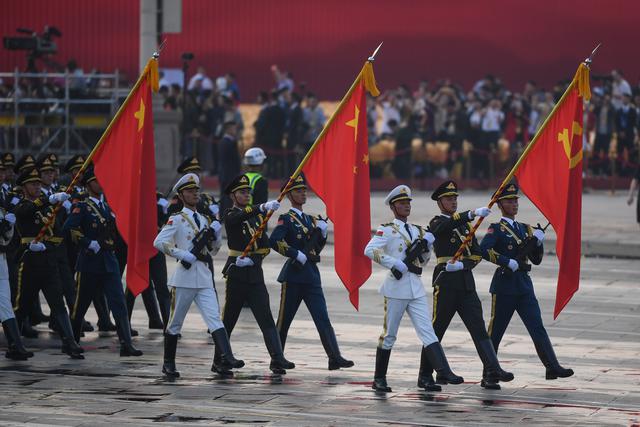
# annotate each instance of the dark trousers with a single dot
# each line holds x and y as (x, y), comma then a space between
(503, 307)
(157, 290)
(36, 274)
(66, 276)
(256, 297)
(90, 285)
(292, 295)
(447, 302)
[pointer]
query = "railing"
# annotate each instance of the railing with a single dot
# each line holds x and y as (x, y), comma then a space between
(66, 125)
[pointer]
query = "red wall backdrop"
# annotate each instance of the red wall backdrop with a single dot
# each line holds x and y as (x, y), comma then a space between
(325, 42)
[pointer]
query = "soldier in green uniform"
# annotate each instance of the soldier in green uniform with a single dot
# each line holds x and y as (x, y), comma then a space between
(454, 288)
(38, 267)
(244, 275)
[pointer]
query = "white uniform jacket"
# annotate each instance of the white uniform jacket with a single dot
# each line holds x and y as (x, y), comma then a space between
(175, 238)
(388, 246)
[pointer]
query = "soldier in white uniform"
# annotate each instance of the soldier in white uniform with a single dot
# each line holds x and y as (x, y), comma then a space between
(404, 248)
(193, 278)
(15, 350)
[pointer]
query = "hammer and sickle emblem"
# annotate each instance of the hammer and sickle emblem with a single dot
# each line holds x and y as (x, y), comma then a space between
(566, 140)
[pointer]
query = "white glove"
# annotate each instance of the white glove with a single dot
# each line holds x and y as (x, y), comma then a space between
(164, 204)
(271, 205)
(538, 234)
(483, 212)
(37, 246)
(400, 266)
(214, 209)
(187, 256)
(15, 201)
(430, 238)
(513, 265)
(322, 225)
(94, 246)
(216, 227)
(58, 197)
(456, 266)
(67, 206)
(301, 258)
(10, 218)
(244, 262)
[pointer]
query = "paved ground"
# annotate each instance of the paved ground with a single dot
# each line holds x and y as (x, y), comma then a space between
(598, 335)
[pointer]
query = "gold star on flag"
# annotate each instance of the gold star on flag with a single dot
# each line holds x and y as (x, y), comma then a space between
(355, 170)
(140, 115)
(354, 124)
(365, 159)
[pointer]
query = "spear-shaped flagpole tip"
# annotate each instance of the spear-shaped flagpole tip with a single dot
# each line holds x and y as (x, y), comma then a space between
(593, 53)
(156, 54)
(375, 52)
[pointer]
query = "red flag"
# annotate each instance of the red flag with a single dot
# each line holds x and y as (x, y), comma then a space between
(338, 172)
(126, 169)
(551, 176)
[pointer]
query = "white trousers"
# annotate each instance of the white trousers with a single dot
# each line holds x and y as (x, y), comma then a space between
(6, 309)
(419, 313)
(207, 302)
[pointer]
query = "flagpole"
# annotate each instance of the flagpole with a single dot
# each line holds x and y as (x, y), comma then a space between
(307, 156)
(469, 237)
(51, 217)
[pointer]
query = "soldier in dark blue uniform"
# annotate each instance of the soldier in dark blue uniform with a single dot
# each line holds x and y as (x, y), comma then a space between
(301, 237)
(511, 245)
(92, 225)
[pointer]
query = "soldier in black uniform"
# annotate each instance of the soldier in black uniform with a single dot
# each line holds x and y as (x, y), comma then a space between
(454, 288)
(244, 276)
(38, 267)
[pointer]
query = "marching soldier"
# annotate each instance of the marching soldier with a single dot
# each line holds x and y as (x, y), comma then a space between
(9, 162)
(38, 268)
(16, 349)
(79, 194)
(454, 288)
(254, 161)
(92, 224)
(244, 275)
(190, 238)
(301, 237)
(403, 248)
(511, 245)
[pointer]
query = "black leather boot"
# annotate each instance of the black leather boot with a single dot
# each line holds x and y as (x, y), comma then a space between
(104, 320)
(437, 359)
(124, 333)
(380, 376)
(425, 375)
(223, 360)
(550, 361)
(16, 350)
(330, 344)
(278, 364)
(26, 329)
(169, 365)
(492, 372)
(69, 344)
